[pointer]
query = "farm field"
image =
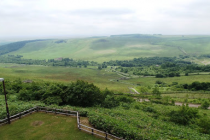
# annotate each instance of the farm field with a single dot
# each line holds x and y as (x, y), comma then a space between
(44, 126)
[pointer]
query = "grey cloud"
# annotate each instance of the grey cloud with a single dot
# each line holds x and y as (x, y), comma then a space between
(195, 9)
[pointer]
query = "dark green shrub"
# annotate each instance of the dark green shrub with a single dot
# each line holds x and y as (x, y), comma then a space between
(159, 82)
(184, 115)
(173, 102)
(204, 123)
(156, 91)
(125, 106)
(24, 95)
(110, 102)
(149, 109)
(53, 100)
(125, 99)
(82, 93)
(205, 105)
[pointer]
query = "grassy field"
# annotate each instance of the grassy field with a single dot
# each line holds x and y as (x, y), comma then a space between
(102, 78)
(44, 126)
(116, 48)
(147, 81)
(196, 98)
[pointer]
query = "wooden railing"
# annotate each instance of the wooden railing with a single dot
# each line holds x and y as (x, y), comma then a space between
(80, 126)
(18, 116)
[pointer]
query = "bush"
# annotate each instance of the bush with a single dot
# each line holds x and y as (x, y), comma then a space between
(156, 91)
(110, 102)
(83, 94)
(53, 100)
(159, 82)
(125, 99)
(149, 109)
(184, 115)
(205, 105)
(204, 123)
(125, 106)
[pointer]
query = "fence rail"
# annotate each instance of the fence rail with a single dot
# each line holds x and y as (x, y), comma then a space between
(80, 126)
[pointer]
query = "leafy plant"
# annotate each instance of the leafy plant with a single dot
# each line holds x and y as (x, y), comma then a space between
(205, 105)
(184, 115)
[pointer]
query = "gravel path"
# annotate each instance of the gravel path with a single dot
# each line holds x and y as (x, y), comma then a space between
(176, 103)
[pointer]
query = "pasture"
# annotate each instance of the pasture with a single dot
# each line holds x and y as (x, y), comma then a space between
(101, 78)
(104, 78)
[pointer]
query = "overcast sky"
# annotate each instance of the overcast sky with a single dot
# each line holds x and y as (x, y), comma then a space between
(54, 18)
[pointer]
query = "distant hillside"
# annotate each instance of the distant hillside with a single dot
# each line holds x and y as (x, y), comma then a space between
(7, 48)
(115, 47)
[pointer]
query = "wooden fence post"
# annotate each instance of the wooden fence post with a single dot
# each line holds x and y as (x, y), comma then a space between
(92, 131)
(106, 136)
(19, 115)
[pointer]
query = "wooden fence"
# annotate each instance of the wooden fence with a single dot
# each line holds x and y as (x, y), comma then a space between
(80, 126)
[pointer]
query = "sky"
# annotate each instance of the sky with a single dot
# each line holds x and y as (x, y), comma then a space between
(67, 18)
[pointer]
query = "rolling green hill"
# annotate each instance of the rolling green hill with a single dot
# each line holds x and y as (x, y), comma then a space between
(116, 47)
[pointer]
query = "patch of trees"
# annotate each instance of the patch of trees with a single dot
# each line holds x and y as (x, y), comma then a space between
(197, 86)
(60, 41)
(100, 67)
(14, 46)
(138, 62)
(197, 68)
(51, 62)
(205, 55)
(171, 74)
(79, 93)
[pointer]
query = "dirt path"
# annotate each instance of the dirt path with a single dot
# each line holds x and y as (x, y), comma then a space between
(134, 90)
(190, 105)
(176, 103)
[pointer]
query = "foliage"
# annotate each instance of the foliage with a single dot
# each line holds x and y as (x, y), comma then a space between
(156, 91)
(82, 93)
(185, 115)
(51, 62)
(141, 121)
(125, 99)
(205, 105)
(143, 89)
(196, 85)
(110, 102)
(79, 93)
(204, 124)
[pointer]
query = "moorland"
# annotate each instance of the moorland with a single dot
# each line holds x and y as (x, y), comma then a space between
(127, 85)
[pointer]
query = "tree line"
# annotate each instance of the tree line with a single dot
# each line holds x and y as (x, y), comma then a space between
(50, 62)
(79, 93)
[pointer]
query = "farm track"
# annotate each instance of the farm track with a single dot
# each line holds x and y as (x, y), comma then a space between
(176, 103)
(134, 90)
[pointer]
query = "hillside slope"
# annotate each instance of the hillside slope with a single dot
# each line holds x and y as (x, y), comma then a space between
(118, 47)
